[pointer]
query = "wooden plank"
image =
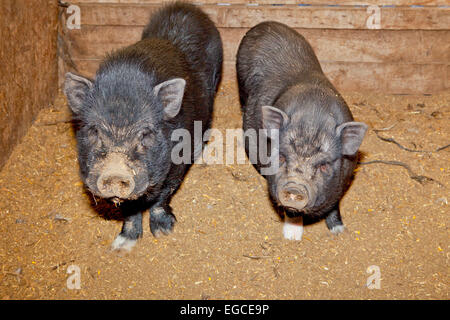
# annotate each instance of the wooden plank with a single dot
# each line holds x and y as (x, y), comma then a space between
(332, 17)
(400, 59)
(354, 76)
(313, 17)
(430, 47)
(388, 78)
(266, 2)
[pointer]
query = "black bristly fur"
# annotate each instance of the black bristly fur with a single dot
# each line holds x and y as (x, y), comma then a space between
(119, 109)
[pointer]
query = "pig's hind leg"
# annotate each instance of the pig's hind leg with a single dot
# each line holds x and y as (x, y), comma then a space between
(131, 232)
(334, 221)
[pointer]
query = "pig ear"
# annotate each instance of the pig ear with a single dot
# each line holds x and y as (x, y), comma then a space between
(75, 89)
(351, 134)
(273, 118)
(171, 94)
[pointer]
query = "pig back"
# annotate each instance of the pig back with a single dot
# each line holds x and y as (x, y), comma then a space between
(194, 34)
(271, 58)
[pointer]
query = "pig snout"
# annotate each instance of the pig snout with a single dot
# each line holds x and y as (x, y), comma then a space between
(116, 178)
(293, 195)
(115, 185)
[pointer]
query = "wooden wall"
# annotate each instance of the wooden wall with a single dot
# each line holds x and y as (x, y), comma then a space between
(409, 54)
(28, 66)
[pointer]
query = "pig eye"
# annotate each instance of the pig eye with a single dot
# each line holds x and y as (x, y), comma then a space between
(324, 167)
(93, 136)
(93, 132)
(146, 138)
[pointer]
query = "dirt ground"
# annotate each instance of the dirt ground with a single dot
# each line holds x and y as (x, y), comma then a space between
(227, 243)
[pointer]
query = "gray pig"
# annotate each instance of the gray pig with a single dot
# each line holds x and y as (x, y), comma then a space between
(282, 87)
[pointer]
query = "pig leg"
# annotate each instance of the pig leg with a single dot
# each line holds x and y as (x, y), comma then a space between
(334, 221)
(161, 217)
(131, 232)
(293, 228)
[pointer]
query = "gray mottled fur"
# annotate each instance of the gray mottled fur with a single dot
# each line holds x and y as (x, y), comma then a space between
(277, 67)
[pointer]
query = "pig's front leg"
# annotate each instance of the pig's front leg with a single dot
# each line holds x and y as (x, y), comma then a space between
(131, 232)
(162, 219)
(293, 228)
(334, 221)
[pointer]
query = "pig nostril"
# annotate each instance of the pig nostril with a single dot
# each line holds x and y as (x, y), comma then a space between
(293, 195)
(296, 197)
(121, 184)
(106, 183)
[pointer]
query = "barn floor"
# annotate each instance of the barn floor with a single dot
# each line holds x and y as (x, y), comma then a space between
(228, 242)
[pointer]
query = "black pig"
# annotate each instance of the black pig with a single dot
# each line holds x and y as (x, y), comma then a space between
(140, 95)
(283, 87)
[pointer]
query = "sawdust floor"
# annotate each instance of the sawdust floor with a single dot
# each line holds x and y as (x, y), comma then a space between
(228, 242)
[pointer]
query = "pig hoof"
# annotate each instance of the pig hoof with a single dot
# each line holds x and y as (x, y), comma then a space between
(337, 229)
(123, 243)
(161, 222)
(293, 230)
